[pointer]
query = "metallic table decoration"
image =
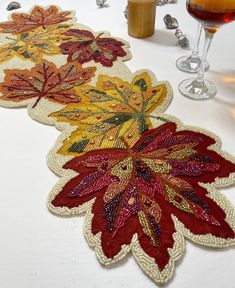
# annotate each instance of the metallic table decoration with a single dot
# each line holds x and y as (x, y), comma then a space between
(164, 2)
(182, 39)
(171, 22)
(102, 3)
(126, 12)
(13, 6)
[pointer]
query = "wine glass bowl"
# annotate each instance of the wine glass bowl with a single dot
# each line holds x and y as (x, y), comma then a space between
(212, 14)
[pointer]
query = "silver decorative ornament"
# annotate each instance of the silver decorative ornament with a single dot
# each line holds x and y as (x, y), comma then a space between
(171, 22)
(182, 39)
(126, 12)
(102, 3)
(13, 6)
(164, 2)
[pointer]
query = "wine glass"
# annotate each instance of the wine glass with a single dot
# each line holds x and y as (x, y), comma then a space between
(191, 64)
(212, 14)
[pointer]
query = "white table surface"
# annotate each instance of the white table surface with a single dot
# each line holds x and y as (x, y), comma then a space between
(40, 250)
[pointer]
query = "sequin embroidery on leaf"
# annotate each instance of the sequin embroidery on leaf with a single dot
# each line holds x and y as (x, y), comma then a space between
(45, 80)
(112, 109)
(85, 47)
(39, 17)
(138, 189)
(35, 44)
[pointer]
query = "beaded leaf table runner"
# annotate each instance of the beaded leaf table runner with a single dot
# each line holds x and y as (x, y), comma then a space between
(145, 181)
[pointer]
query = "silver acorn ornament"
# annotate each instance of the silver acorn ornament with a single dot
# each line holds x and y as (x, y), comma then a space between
(182, 39)
(102, 3)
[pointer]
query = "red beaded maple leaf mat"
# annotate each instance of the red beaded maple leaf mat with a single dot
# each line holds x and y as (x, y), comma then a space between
(145, 181)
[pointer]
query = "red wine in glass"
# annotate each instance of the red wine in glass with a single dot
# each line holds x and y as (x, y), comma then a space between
(212, 15)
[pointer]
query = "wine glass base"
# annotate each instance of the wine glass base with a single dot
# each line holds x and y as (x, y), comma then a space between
(195, 90)
(190, 64)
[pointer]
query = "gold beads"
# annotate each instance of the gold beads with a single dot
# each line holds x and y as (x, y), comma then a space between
(131, 201)
(159, 161)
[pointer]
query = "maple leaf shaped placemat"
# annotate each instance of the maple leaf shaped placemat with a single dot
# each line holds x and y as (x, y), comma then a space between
(35, 44)
(45, 80)
(85, 47)
(112, 109)
(39, 17)
(32, 35)
(148, 197)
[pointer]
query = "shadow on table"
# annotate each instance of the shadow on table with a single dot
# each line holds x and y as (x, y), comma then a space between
(226, 99)
(129, 255)
(226, 78)
(162, 37)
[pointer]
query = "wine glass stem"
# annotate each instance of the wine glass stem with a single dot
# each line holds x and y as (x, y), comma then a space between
(208, 39)
(195, 51)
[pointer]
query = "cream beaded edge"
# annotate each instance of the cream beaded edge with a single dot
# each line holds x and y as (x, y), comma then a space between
(56, 162)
